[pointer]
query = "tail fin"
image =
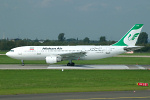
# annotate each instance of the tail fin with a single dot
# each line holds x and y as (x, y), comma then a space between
(130, 38)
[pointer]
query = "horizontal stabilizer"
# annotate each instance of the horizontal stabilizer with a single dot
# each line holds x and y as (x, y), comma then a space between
(132, 48)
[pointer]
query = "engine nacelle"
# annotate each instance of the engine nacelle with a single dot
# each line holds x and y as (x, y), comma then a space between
(53, 59)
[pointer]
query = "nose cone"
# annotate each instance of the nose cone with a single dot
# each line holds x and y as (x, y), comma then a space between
(8, 54)
(12, 54)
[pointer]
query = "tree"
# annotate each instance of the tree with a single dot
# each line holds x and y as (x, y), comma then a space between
(143, 38)
(102, 39)
(86, 40)
(71, 40)
(61, 37)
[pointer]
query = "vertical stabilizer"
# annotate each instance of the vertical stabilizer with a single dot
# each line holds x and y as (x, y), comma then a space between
(130, 38)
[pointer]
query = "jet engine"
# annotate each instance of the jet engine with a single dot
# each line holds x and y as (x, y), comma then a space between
(53, 59)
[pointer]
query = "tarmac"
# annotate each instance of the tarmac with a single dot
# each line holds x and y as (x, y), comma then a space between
(111, 95)
(88, 67)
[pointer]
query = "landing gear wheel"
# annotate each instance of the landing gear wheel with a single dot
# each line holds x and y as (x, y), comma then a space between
(68, 64)
(71, 64)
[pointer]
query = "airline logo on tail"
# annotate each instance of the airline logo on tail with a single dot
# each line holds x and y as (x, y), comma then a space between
(130, 37)
(134, 36)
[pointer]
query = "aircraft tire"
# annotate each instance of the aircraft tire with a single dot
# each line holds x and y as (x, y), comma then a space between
(70, 64)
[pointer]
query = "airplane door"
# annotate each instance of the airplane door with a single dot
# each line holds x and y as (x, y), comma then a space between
(20, 52)
(38, 52)
(83, 49)
(108, 50)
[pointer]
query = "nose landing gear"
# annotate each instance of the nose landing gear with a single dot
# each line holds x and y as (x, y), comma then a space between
(22, 62)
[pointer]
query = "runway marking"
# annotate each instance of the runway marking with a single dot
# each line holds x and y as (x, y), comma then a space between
(140, 67)
(89, 67)
(111, 98)
(101, 98)
(77, 99)
(99, 67)
(133, 97)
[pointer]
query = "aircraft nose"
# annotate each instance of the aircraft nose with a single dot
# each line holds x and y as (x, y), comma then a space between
(7, 54)
(10, 54)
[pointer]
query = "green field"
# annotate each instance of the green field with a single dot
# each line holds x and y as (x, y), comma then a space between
(142, 54)
(56, 81)
(3, 52)
(112, 60)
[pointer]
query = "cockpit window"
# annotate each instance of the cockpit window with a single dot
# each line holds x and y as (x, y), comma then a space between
(11, 51)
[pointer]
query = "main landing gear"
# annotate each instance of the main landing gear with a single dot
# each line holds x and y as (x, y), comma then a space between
(70, 63)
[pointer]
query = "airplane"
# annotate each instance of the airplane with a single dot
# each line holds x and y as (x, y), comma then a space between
(54, 54)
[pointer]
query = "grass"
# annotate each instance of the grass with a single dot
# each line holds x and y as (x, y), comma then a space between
(118, 60)
(112, 60)
(7, 60)
(142, 54)
(56, 81)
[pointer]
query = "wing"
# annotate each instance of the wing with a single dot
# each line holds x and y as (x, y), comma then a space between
(73, 55)
(132, 48)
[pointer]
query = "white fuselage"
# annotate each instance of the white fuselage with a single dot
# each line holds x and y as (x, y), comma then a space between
(41, 52)
(54, 54)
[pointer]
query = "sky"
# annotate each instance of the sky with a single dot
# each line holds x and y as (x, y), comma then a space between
(46, 19)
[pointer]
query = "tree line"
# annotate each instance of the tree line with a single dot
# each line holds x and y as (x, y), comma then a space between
(7, 44)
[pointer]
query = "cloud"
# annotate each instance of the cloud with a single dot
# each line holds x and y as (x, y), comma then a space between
(87, 7)
(94, 6)
(48, 3)
(44, 3)
(104, 5)
(118, 8)
(68, 0)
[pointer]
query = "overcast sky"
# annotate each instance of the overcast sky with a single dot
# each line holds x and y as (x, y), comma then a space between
(45, 19)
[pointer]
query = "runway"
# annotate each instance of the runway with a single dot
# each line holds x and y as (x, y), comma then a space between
(117, 95)
(89, 67)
